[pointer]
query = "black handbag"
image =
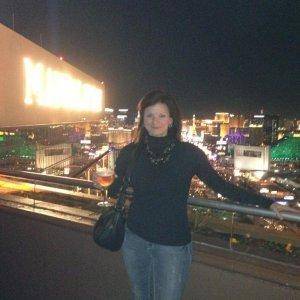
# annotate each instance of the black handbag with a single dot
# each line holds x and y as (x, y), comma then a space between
(109, 230)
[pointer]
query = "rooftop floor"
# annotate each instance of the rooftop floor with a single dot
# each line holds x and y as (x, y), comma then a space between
(49, 257)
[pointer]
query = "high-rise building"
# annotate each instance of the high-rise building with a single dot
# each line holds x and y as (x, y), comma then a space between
(251, 158)
(119, 137)
(226, 121)
(270, 127)
(287, 149)
(236, 121)
(263, 129)
(222, 117)
(224, 130)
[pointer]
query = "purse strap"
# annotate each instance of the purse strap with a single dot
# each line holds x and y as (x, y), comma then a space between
(121, 199)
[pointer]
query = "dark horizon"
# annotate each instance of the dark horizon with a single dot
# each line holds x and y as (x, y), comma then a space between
(238, 57)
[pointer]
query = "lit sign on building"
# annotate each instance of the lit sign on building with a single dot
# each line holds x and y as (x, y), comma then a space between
(38, 88)
(47, 87)
(251, 158)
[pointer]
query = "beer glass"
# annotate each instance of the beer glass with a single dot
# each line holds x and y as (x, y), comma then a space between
(105, 177)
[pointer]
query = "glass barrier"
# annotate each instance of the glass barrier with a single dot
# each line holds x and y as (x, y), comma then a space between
(254, 235)
(230, 229)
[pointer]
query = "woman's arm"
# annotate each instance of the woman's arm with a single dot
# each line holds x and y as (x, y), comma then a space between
(121, 165)
(209, 176)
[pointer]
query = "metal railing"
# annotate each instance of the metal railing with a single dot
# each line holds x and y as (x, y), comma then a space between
(45, 178)
(261, 212)
(89, 164)
(58, 163)
(191, 200)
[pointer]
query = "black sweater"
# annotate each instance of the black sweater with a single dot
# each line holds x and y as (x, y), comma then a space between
(158, 212)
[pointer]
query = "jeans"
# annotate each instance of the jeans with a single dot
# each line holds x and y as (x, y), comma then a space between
(156, 272)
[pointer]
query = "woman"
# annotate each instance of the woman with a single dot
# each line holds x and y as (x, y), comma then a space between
(157, 248)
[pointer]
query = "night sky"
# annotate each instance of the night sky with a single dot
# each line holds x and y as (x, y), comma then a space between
(234, 56)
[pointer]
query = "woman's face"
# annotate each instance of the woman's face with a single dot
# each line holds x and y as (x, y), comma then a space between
(157, 119)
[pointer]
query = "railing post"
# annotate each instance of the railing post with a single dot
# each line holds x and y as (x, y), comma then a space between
(34, 191)
(231, 231)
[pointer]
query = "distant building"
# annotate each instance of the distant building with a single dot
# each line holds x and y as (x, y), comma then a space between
(40, 88)
(251, 158)
(263, 130)
(225, 122)
(16, 151)
(210, 127)
(287, 149)
(221, 123)
(238, 136)
(236, 121)
(119, 137)
(224, 130)
(222, 117)
(49, 155)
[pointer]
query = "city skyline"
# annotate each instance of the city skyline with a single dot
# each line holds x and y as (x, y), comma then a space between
(226, 181)
(237, 58)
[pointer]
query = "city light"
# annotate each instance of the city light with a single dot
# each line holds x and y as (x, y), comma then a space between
(10, 185)
(289, 197)
(121, 117)
(207, 121)
(264, 191)
(47, 87)
(259, 174)
(255, 125)
(236, 173)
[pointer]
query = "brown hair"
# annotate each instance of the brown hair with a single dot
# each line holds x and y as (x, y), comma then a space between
(152, 98)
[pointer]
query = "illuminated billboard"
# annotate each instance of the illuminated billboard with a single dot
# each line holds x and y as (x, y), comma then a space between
(36, 87)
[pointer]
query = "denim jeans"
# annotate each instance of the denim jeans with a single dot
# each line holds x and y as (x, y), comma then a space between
(156, 272)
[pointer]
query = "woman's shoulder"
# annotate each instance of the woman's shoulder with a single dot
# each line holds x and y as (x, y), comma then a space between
(125, 154)
(189, 147)
(190, 151)
(128, 148)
